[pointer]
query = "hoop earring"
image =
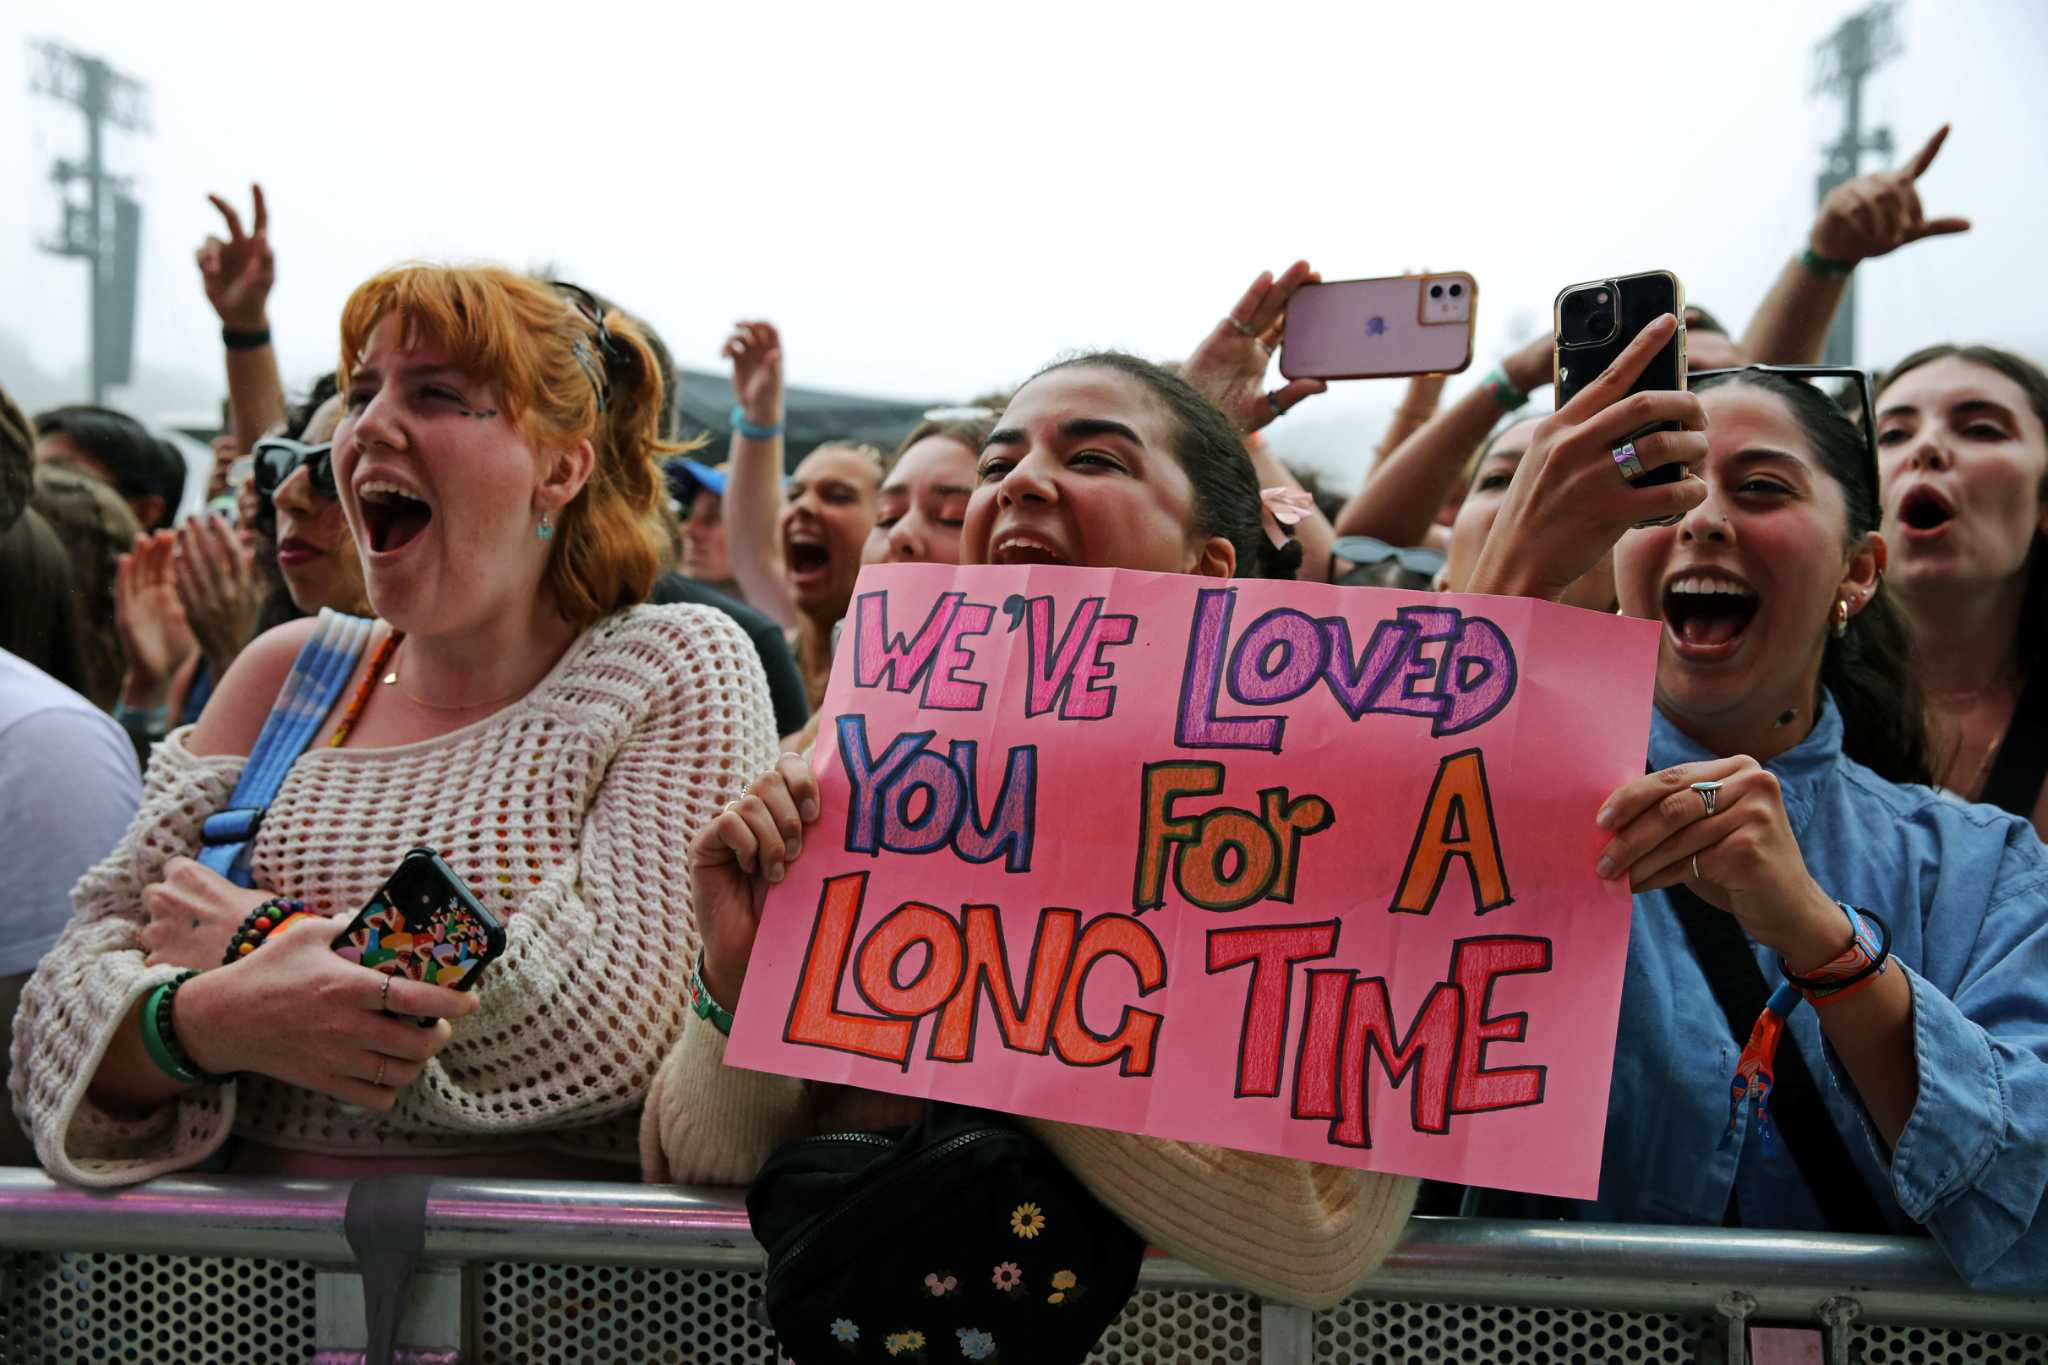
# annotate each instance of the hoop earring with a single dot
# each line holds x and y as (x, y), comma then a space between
(1841, 617)
(546, 531)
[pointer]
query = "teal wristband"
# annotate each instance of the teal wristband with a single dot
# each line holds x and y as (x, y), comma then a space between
(749, 430)
(152, 724)
(160, 1036)
(1825, 266)
(704, 1007)
(1503, 391)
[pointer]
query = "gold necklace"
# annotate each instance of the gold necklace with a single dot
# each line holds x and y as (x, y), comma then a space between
(391, 679)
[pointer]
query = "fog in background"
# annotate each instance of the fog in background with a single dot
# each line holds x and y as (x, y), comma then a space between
(932, 200)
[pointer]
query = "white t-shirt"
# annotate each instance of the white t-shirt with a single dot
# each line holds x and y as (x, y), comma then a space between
(68, 788)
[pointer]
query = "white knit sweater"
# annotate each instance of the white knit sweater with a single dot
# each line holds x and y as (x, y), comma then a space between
(567, 812)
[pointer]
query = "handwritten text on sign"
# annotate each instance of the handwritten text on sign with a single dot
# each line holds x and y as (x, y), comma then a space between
(1282, 867)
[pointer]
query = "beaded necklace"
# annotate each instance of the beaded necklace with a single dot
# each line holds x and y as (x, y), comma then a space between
(362, 692)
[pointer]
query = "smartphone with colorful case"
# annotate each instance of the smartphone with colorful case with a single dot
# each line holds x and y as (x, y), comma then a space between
(1378, 329)
(424, 923)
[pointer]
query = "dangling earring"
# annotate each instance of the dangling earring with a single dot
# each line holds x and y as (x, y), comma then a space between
(1841, 617)
(546, 531)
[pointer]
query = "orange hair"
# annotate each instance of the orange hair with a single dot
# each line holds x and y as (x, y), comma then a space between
(522, 337)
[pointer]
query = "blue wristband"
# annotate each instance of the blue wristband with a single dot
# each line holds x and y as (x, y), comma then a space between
(749, 430)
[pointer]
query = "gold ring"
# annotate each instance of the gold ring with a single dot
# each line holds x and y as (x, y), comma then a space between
(384, 993)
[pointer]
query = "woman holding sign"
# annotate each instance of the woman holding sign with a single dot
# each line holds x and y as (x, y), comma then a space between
(1784, 852)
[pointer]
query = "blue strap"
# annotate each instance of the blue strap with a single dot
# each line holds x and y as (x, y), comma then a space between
(319, 676)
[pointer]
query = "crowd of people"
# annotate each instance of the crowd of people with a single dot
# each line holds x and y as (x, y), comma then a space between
(583, 662)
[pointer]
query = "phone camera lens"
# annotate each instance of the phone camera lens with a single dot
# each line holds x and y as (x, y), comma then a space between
(1600, 297)
(1456, 290)
(1436, 291)
(1598, 323)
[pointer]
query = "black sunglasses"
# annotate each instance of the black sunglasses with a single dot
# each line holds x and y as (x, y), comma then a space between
(277, 456)
(1367, 551)
(1849, 375)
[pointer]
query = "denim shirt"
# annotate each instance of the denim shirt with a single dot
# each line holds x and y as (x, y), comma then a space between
(1965, 890)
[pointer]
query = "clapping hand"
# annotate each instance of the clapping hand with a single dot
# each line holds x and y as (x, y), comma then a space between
(1880, 212)
(1229, 367)
(239, 272)
(218, 586)
(156, 639)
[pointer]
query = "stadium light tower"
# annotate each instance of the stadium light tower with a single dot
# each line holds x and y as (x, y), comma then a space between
(1859, 45)
(105, 230)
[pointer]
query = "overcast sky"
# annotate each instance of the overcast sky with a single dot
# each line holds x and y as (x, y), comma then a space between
(935, 199)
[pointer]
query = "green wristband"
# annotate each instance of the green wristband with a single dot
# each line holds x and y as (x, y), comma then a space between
(160, 1038)
(1503, 390)
(1825, 266)
(702, 1004)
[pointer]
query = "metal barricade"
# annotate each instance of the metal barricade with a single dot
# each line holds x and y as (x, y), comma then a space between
(232, 1269)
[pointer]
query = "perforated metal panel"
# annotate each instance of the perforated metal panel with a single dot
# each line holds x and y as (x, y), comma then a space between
(61, 1309)
(1879, 1344)
(1182, 1327)
(1372, 1332)
(603, 1314)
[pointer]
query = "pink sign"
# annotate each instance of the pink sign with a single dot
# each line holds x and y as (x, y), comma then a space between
(1283, 867)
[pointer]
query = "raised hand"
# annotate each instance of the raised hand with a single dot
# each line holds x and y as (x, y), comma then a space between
(296, 1011)
(1880, 212)
(737, 857)
(1569, 502)
(150, 620)
(1229, 367)
(193, 914)
(218, 587)
(239, 272)
(755, 350)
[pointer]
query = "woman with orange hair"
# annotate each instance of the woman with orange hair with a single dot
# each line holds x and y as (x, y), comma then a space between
(558, 746)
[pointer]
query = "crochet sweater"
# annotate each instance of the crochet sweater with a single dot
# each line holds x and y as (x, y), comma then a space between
(1294, 1230)
(567, 812)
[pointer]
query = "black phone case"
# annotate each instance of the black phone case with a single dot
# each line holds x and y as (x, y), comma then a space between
(1642, 299)
(424, 923)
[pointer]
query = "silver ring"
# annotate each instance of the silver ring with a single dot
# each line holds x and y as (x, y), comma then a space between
(1243, 329)
(1274, 403)
(1625, 460)
(382, 1062)
(1709, 794)
(1696, 868)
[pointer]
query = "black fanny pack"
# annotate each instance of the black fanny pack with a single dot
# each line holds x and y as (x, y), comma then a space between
(961, 1238)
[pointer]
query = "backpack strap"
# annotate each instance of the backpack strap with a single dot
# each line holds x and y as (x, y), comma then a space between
(1797, 1110)
(319, 676)
(2014, 783)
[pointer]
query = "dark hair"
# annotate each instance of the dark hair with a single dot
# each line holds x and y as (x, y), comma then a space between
(299, 416)
(140, 464)
(1867, 670)
(1698, 319)
(38, 622)
(17, 454)
(2033, 381)
(1213, 456)
(95, 527)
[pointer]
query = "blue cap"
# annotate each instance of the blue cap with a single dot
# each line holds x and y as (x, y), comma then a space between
(686, 476)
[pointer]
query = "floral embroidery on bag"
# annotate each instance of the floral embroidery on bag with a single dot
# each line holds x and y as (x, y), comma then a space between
(1007, 1276)
(975, 1344)
(844, 1330)
(1062, 1281)
(940, 1287)
(896, 1343)
(1027, 1221)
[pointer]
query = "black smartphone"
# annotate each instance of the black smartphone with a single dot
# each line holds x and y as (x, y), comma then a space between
(424, 923)
(1594, 322)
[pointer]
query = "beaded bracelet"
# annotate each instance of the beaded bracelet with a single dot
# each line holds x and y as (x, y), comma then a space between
(160, 1036)
(265, 920)
(1856, 967)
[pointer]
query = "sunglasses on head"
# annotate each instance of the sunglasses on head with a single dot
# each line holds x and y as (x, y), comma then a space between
(276, 457)
(591, 311)
(1367, 552)
(1849, 378)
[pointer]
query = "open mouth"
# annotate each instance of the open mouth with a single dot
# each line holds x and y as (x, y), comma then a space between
(1017, 547)
(393, 517)
(1925, 512)
(1708, 613)
(806, 556)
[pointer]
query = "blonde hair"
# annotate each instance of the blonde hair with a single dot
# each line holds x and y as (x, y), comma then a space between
(561, 378)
